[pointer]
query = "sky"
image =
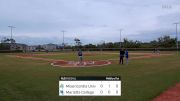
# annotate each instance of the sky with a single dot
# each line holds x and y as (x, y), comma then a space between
(92, 21)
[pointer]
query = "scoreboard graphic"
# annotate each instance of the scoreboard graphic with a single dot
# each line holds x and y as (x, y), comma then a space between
(89, 86)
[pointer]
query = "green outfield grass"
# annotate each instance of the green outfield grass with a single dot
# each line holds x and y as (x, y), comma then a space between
(88, 56)
(32, 80)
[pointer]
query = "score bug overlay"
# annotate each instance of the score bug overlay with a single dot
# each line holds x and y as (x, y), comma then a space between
(89, 86)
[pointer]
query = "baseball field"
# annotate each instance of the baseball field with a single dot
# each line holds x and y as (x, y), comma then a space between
(35, 76)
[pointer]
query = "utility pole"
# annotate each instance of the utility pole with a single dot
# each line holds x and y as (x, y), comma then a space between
(177, 34)
(120, 38)
(11, 27)
(63, 38)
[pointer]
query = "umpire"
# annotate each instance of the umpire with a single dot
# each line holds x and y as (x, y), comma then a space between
(121, 53)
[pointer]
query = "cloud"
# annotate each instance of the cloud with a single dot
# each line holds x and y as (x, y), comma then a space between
(89, 20)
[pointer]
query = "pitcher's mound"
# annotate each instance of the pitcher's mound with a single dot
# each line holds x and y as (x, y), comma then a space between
(88, 63)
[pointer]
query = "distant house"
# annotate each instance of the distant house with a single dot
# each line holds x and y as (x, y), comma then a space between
(18, 46)
(32, 48)
(49, 47)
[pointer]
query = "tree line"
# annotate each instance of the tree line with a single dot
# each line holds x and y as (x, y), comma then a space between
(161, 42)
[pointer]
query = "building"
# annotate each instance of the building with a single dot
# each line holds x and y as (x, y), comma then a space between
(49, 47)
(32, 48)
(18, 46)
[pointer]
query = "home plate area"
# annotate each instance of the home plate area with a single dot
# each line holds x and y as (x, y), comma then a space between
(87, 63)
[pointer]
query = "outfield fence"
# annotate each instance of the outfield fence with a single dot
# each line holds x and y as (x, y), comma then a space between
(11, 51)
(130, 49)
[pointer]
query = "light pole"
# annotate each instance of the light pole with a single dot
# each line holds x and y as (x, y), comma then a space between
(120, 37)
(63, 38)
(177, 34)
(11, 27)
